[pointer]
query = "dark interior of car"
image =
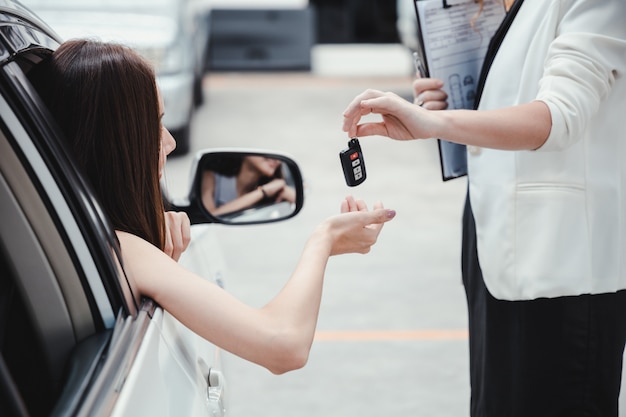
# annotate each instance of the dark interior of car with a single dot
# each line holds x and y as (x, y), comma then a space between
(23, 376)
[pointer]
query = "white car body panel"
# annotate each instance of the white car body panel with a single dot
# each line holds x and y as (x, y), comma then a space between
(173, 364)
(135, 29)
(165, 38)
(255, 4)
(170, 373)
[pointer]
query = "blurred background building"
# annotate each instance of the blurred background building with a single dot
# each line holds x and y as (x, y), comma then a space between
(279, 35)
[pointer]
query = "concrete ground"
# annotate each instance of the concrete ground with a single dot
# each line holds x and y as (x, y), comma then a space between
(392, 337)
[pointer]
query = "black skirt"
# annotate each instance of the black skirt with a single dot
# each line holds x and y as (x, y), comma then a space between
(545, 357)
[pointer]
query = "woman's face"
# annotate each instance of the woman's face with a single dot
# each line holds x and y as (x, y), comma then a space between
(266, 166)
(168, 144)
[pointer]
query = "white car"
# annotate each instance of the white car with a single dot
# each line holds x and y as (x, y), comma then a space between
(171, 34)
(71, 343)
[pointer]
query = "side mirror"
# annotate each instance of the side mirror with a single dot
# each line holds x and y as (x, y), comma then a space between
(242, 187)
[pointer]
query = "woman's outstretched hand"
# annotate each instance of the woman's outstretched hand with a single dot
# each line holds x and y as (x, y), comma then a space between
(397, 116)
(401, 119)
(356, 229)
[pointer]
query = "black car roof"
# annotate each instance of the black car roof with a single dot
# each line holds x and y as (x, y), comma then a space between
(21, 30)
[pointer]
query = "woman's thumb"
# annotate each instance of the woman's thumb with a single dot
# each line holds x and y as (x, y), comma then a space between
(382, 215)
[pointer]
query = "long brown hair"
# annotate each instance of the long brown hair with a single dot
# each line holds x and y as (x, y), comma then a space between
(104, 98)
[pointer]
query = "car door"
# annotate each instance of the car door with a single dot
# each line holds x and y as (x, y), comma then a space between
(72, 340)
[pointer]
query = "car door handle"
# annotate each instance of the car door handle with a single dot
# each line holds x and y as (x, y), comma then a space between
(215, 393)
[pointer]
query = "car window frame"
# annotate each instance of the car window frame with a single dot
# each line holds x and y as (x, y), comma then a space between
(31, 136)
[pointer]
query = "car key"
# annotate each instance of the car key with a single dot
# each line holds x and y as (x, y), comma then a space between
(352, 163)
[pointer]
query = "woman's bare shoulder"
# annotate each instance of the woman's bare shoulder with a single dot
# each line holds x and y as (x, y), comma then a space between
(127, 238)
(152, 270)
(145, 263)
(134, 248)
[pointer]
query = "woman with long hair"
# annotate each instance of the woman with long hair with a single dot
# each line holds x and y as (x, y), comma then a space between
(544, 227)
(107, 104)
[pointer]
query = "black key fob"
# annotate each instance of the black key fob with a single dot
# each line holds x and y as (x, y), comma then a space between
(352, 163)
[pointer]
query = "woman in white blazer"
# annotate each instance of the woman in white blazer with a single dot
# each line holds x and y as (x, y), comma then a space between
(544, 245)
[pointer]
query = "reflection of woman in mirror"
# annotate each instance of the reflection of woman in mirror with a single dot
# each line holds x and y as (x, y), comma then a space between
(239, 183)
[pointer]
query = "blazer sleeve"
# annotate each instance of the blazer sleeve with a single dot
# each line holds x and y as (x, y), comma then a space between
(583, 62)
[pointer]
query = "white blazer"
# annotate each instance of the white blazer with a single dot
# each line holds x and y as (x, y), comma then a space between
(552, 222)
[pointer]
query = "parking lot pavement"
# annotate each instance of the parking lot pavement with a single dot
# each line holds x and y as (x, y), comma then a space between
(392, 329)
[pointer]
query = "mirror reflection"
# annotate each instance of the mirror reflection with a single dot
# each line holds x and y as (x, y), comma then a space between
(246, 188)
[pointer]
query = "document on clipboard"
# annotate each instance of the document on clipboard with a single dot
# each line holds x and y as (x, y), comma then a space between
(453, 45)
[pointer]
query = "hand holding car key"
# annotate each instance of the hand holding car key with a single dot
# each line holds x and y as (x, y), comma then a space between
(352, 163)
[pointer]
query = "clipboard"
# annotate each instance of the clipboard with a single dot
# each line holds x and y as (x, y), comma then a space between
(453, 42)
